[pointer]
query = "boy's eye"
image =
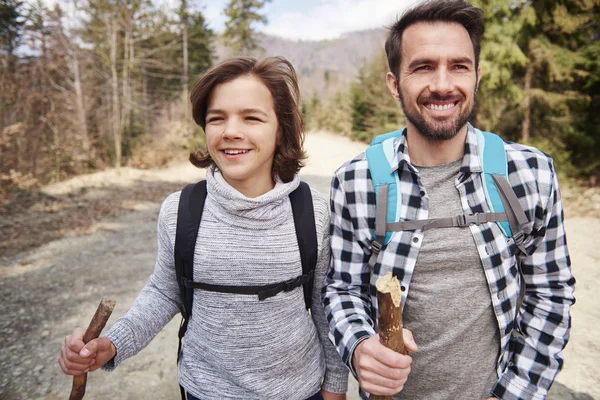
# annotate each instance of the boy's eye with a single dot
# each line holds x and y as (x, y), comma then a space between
(250, 118)
(214, 119)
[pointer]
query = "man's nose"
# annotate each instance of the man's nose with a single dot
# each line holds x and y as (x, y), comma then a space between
(442, 82)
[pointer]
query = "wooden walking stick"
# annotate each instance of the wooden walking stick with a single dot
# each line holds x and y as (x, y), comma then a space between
(105, 308)
(389, 317)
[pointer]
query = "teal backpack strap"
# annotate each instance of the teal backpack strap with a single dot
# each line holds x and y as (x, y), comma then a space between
(380, 138)
(501, 198)
(493, 160)
(379, 156)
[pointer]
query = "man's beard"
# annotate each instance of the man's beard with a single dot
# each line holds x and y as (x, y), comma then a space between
(442, 131)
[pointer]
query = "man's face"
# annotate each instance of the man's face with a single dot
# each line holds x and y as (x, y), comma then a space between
(438, 79)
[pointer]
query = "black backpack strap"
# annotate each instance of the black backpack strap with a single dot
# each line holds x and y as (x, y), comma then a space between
(306, 232)
(189, 214)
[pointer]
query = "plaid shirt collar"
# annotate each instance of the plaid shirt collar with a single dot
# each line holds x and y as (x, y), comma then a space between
(470, 164)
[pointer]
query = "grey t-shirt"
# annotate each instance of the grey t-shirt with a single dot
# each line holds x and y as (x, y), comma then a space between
(449, 308)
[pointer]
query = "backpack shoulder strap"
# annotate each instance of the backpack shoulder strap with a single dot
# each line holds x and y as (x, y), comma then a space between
(385, 182)
(189, 214)
(493, 161)
(380, 138)
(306, 233)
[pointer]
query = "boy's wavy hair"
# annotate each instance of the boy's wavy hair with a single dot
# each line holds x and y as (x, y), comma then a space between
(279, 76)
(458, 11)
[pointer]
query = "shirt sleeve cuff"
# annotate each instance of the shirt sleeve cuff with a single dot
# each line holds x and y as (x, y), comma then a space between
(513, 387)
(358, 338)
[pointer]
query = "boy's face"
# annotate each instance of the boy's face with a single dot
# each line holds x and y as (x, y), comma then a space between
(241, 132)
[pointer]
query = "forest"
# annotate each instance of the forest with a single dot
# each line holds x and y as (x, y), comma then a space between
(106, 84)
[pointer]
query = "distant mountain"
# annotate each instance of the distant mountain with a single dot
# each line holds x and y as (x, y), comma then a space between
(324, 67)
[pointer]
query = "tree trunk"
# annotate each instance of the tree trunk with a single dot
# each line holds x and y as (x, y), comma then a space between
(83, 129)
(125, 83)
(186, 67)
(525, 130)
(116, 117)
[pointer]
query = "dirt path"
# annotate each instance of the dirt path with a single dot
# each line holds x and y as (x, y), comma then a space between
(50, 289)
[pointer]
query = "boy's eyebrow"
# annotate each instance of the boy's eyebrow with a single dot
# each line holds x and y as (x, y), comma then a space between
(254, 111)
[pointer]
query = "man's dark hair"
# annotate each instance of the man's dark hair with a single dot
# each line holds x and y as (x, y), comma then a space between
(459, 11)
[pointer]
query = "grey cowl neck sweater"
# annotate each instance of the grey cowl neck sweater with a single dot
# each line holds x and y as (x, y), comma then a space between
(237, 347)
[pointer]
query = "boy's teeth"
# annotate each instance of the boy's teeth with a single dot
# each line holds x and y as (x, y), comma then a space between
(233, 152)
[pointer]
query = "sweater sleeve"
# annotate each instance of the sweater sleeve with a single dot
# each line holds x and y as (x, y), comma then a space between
(336, 373)
(158, 301)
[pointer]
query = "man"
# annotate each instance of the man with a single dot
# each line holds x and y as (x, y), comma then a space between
(460, 284)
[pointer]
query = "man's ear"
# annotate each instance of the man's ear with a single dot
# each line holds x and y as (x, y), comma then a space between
(392, 85)
(478, 78)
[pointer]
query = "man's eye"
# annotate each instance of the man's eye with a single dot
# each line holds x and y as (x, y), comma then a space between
(462, 67)
(423, 68)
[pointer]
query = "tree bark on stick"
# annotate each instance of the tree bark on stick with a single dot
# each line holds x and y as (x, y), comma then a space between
(389, 317)
(105, 308)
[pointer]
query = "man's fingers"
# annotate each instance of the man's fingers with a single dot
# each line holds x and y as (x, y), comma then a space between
(409, 340)
(379, 380)
(372, 365)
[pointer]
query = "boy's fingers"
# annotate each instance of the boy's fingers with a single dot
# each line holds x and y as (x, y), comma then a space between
(73, 359)
(75, 340)
(95, 346)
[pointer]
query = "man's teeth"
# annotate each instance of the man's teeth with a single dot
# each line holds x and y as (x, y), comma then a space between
(234, 152)
(440, 107)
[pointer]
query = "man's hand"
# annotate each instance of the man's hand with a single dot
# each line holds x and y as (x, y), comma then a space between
(77, 358)
(380, 370)
(332, 396)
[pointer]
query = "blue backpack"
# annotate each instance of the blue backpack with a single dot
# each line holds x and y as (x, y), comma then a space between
(505, 208)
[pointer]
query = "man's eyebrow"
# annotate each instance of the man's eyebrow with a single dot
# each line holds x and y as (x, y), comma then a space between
(420, 61)
(427, 61)
(462, 60)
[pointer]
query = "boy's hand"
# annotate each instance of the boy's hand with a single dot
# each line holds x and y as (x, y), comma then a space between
(77, 358)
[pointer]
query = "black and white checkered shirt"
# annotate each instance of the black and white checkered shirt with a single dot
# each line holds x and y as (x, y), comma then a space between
(527, 365)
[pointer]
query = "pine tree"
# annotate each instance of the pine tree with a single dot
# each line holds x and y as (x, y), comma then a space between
(374, 110)
(535, 71)
(239, 32)
(11, 26)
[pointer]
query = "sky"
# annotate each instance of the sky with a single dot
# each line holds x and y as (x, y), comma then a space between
(314, 19)
(294, 19)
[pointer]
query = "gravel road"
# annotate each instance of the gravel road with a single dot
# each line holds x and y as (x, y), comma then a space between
(48, 290)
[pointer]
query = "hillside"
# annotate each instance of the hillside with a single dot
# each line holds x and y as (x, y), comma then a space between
(324, 66)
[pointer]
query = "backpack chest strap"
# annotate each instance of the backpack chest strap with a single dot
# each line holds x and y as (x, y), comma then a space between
(263, 291)
(458, 221)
